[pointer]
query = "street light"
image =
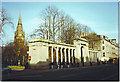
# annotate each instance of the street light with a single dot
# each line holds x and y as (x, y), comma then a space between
(18, 57)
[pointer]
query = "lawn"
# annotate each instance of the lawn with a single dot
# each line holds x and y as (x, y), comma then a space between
(17, 67)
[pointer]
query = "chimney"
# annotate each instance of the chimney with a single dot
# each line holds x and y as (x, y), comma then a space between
(113, 40)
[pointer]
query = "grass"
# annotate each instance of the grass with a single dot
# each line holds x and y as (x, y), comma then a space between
(17, 67)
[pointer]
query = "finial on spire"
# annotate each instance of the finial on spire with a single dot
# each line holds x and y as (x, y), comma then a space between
(19, 15)
(19, 22)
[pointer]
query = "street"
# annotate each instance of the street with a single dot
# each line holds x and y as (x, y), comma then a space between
(100, 73)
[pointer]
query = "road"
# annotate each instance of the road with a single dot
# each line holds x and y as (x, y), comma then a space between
(100, 73)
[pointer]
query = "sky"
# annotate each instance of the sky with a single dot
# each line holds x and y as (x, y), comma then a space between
(101, 17)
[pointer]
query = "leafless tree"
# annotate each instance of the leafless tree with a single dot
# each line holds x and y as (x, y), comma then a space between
(50, 16)
(4, 19)
(92, 39)
(57, 26)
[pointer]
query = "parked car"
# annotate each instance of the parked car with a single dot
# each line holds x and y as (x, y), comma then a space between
(110, 61)
(104, 60)
(5, 69)
(113, 61)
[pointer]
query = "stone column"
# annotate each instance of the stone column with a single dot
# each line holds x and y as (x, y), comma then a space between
(65, 55)
(69, 55)
(52, 54)
(61, 56)
(57, 54)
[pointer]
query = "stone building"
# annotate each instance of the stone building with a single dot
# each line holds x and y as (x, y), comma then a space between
(43, 50)
(104, 49)
(46, 51)
(109, 48)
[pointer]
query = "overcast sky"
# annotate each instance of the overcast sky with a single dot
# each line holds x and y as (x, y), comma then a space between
(101, 17)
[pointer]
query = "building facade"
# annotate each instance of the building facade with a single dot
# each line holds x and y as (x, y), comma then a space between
(104, 49)
(42, 50)
(109, 48)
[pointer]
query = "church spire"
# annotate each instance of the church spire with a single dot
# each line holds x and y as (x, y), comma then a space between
(19, 27)
(19, 32)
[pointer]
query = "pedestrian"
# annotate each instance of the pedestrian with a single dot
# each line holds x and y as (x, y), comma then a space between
(26, 65)
(68, 65)
(61, 65)
(50, 65)
(90, 63)
(58, 66)
(77, 64)
(82, 63)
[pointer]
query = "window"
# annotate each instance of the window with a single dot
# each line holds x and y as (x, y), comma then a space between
(103, 42)
(103, 54)
(34, 49)
(103, 47)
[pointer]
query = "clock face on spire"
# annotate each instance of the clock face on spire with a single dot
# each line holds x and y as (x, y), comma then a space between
(20, 34)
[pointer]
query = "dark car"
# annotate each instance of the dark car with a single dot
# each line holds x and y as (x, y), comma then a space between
(5, 69)
(113, 61)
(110, 61)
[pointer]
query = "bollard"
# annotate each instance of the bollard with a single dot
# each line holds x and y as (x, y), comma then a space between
(68, 66)
(51, 66)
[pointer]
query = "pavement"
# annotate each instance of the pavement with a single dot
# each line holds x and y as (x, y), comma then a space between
(88, 73)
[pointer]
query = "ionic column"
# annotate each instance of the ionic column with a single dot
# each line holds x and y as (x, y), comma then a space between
(61, 56)
(65, 55)
(52, 54)
(57, 54)
(69, 55)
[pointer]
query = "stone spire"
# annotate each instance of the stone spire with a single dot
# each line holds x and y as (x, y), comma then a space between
(19, 22)
(19, 34)
(19, 27)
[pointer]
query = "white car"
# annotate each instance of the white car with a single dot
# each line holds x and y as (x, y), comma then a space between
(104, 60)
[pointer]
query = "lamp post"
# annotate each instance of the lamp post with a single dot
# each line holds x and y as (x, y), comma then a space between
(19, 56)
